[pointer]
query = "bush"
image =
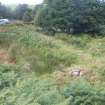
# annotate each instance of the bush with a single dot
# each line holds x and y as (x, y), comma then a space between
(71, 16)
(41, 92)
(8, 77)
(82, 93)
(28, 16)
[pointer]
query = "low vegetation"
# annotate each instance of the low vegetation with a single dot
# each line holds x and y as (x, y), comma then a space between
(67, 68)
(35, 68)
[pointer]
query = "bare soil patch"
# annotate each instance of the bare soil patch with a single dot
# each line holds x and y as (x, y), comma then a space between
(5, 58)
(3, 30)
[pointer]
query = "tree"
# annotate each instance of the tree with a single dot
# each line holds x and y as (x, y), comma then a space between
(28, 16)
(5, 12)
(72, 16)
(20, 10)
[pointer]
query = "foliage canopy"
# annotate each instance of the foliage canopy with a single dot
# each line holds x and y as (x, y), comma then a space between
(72, 16)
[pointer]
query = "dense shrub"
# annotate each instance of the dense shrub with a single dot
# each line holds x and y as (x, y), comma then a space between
(8, 76)
(35, 52)
(28, 16)
(72, 16)
(34, 91)
(82, 93)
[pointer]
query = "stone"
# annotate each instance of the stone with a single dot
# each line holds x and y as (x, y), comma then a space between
(75, 72)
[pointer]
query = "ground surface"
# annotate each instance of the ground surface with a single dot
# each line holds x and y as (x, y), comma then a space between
(37, 69)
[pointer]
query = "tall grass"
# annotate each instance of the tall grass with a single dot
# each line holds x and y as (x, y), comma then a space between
(33, 79)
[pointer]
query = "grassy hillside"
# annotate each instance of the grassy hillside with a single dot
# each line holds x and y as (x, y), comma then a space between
(35, 69)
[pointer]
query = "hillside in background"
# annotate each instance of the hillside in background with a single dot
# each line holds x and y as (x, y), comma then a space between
(37, 69)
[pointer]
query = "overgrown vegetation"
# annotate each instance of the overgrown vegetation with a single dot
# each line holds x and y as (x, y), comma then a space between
(37, 76)
(65, 69)
(72, 16)
(19, 12)
(69, 16)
